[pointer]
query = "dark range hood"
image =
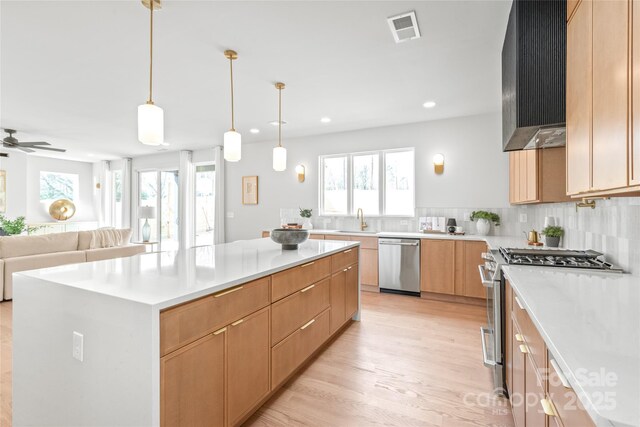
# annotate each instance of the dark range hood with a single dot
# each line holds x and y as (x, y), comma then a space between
(534, 75)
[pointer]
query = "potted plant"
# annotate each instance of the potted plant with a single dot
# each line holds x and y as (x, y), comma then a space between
(485, 219)
(10, 228)
(306, 214)
(552, 235)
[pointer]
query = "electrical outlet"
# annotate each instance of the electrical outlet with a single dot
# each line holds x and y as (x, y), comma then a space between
(404, 222)
(230, 215)
(78, 346)
(523, 217)
(466, 216)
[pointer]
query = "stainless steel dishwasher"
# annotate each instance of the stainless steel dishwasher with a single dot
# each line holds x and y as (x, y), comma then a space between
(399, 265)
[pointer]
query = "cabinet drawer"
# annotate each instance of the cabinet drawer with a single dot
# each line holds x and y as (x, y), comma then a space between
(186, 323)
(294, 311)
(533, 340)
(366, 242)
(297, 347)
(343, 259)
(289, 281)
(570, 411)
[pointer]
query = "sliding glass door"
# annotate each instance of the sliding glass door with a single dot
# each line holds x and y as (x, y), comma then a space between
(160, 189)
(204, 203)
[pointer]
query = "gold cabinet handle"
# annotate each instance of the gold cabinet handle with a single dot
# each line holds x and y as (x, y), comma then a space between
(349, 268)
(347, 251)
(524, 349)
(563, 379)
(237, 322)
(519, 338)
(307, 288)
(227, 292)
(548, 408)
(307, 264)
(344, 269)
(306, 325)
(219, 331)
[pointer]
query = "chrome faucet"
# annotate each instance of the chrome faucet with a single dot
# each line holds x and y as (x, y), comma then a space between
(360, 216)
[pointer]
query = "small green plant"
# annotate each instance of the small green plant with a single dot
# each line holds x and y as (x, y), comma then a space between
(17, 226)
(490, 216)
(553, 231)
(306, 213)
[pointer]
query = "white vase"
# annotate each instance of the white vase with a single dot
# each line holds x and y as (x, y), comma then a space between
(483, 226)
(306, 224)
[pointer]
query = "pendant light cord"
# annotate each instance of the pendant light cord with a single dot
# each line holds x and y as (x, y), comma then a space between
(233, 126)
(150, 101)
(279, 116)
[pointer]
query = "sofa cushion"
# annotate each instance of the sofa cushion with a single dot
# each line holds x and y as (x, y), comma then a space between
(33, 262)
(18, 246)
(115, 252)
(84, 240)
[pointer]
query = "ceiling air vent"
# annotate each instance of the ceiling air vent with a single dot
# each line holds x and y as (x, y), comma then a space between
(404, 27)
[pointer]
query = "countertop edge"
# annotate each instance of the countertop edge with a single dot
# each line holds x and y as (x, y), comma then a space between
(593, 412)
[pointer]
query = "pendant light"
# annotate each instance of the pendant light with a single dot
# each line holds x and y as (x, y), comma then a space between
(279, 152)
(232, 139)
(150, 116)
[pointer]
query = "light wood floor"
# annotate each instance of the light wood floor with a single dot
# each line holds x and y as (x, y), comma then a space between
(410, 362)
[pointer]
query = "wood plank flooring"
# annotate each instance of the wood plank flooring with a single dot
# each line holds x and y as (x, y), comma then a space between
(409, 362)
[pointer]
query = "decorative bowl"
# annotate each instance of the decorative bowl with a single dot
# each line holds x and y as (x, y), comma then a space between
(289, 238)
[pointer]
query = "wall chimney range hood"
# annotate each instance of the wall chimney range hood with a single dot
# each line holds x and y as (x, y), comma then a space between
(533, 75)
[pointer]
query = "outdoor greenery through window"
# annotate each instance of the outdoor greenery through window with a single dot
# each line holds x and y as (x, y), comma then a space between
(55, 185)
(379, 182)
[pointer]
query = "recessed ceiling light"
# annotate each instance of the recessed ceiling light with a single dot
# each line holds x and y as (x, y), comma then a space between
(429, 104)
(326, 120)
(254, 130)
(275, 123)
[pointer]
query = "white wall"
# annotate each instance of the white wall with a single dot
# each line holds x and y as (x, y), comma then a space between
(38, 212)
(23, 186)
(476, 169)
(16, 168)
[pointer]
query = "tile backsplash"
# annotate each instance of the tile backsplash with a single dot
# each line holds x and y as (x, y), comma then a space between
(612, 228)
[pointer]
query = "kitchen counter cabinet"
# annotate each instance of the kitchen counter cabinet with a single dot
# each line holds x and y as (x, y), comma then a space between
(368, 256)
(537, 176)
(191, 343)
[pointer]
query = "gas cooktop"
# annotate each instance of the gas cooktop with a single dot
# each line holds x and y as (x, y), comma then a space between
(589, 259)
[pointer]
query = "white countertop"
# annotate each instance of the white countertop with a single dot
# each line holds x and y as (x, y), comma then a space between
(165, 279)
(591, 324)
(494, 242)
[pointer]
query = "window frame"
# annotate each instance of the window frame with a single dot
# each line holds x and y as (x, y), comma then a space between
(382, 183)
(76, 186)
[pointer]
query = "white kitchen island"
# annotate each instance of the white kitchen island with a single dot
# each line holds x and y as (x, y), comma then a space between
(117, 306)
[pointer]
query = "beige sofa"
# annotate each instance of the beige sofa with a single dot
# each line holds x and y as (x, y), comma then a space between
(20, 253)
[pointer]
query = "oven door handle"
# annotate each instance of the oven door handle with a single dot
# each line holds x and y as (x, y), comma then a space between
(487, 283)
(485, 357)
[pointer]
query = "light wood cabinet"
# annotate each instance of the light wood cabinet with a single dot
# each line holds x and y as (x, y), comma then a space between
(248, 364)
(351, 291)
(437, 266)
(579, 98)
(534, 392)
(192, 383)
(610, 94)
(571, 412)
(537, 176)
(338, 299)
(517, 396)
(292, 280)
(369, 267)
(451, 267)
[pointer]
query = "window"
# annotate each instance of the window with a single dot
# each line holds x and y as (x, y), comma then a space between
(54, 186)
(116, 177)
(379, 182)
(160, 189)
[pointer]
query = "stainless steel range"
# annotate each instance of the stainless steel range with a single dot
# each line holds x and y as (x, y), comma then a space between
(491, 274)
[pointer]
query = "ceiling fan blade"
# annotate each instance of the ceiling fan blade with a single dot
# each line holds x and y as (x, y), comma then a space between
(26, 150)
(59, 150)
(32, 144)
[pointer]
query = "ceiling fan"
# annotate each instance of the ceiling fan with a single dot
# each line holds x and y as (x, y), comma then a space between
(27, 147)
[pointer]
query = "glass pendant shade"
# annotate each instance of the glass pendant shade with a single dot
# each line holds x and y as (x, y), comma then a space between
(232, 146)
(279, 159)
(150, 124)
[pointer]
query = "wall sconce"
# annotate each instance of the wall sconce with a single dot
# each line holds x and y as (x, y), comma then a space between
(300, 173)
(438, 163)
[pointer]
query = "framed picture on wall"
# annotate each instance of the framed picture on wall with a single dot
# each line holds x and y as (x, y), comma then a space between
(249, 190)
(3, 191)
